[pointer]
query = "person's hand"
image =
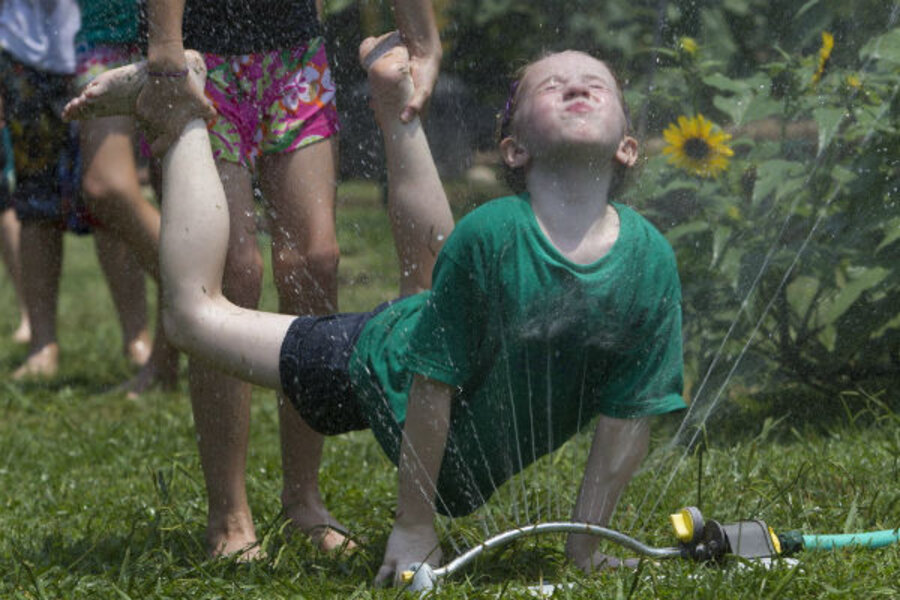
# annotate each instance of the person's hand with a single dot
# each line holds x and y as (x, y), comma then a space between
(408, 544)
(424, 66)
(386, 60)
(166, 104)
(581, 551)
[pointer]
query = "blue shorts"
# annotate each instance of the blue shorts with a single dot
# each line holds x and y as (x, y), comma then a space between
(314, 370)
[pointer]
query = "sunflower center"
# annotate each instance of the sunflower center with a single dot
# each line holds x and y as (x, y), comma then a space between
(696, 148)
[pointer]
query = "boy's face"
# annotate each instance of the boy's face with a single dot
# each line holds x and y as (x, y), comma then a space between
(569, 100)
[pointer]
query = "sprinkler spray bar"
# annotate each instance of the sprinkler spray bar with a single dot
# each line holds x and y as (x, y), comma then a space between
(699, 539)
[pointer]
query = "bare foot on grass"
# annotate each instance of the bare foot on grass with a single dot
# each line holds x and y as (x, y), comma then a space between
(235, 539)
(323, 530)
(41, 364)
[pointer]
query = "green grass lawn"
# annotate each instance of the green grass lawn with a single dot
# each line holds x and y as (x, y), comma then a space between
(102, 497)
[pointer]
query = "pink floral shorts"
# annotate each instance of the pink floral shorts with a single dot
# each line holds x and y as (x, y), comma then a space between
(93, 59)
(270, 102)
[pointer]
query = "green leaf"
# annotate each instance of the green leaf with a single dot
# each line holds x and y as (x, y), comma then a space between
(734, 106)
(891, 233)
(772, 176)
(885, 47)
(726, 84)
(800, 293)
(690, 228)
(859, 279)
(828, 337)
(828, 119)
(810, 4)
(721, 235)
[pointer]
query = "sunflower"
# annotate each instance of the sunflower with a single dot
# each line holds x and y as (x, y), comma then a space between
(696, 148)
(824, 55)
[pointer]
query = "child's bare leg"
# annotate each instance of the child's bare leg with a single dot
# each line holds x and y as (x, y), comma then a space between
(41, 260)
(9, 252)
(420, 214)
(300, 187)
(193, 242)
(129, 294)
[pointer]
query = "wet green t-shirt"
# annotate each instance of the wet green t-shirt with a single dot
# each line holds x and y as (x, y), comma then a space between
(535, 344)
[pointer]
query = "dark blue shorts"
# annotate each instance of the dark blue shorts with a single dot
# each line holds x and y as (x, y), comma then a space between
(314, 370)
(45, 148)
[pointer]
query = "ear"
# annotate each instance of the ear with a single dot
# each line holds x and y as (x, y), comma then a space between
(627, 154)
(514, 154)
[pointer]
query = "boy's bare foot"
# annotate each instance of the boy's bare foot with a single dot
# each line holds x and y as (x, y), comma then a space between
(386, 60)
(42, 364)
(114, 92)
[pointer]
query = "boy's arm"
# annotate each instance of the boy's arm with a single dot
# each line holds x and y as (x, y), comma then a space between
(618, 448)
(413, 539)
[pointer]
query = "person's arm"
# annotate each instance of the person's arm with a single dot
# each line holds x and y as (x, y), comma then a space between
(165, 62)
(165, 46)
(413, 539)
(417, 27)
(618, 448)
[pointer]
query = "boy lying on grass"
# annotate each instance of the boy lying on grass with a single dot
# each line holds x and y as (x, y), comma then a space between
(547, 310)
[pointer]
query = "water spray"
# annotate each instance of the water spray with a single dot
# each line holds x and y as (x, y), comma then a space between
(699, 539)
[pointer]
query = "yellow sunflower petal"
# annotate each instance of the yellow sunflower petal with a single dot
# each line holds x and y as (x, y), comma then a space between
(694, 146)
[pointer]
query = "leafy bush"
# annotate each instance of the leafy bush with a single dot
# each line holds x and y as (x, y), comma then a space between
(787, 255)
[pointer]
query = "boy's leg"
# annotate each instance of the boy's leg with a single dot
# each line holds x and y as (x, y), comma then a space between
(220, 403)
(419, 211)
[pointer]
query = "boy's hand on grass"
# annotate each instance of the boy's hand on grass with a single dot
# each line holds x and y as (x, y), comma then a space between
(408, 544)
(582, 553)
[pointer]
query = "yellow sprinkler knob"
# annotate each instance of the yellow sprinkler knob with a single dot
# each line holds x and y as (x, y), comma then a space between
(688, 524)
(776, 543)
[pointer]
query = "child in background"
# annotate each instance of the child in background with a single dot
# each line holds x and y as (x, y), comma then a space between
(37, 57)
(549, 310)
(10, 228)
(127, 231)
